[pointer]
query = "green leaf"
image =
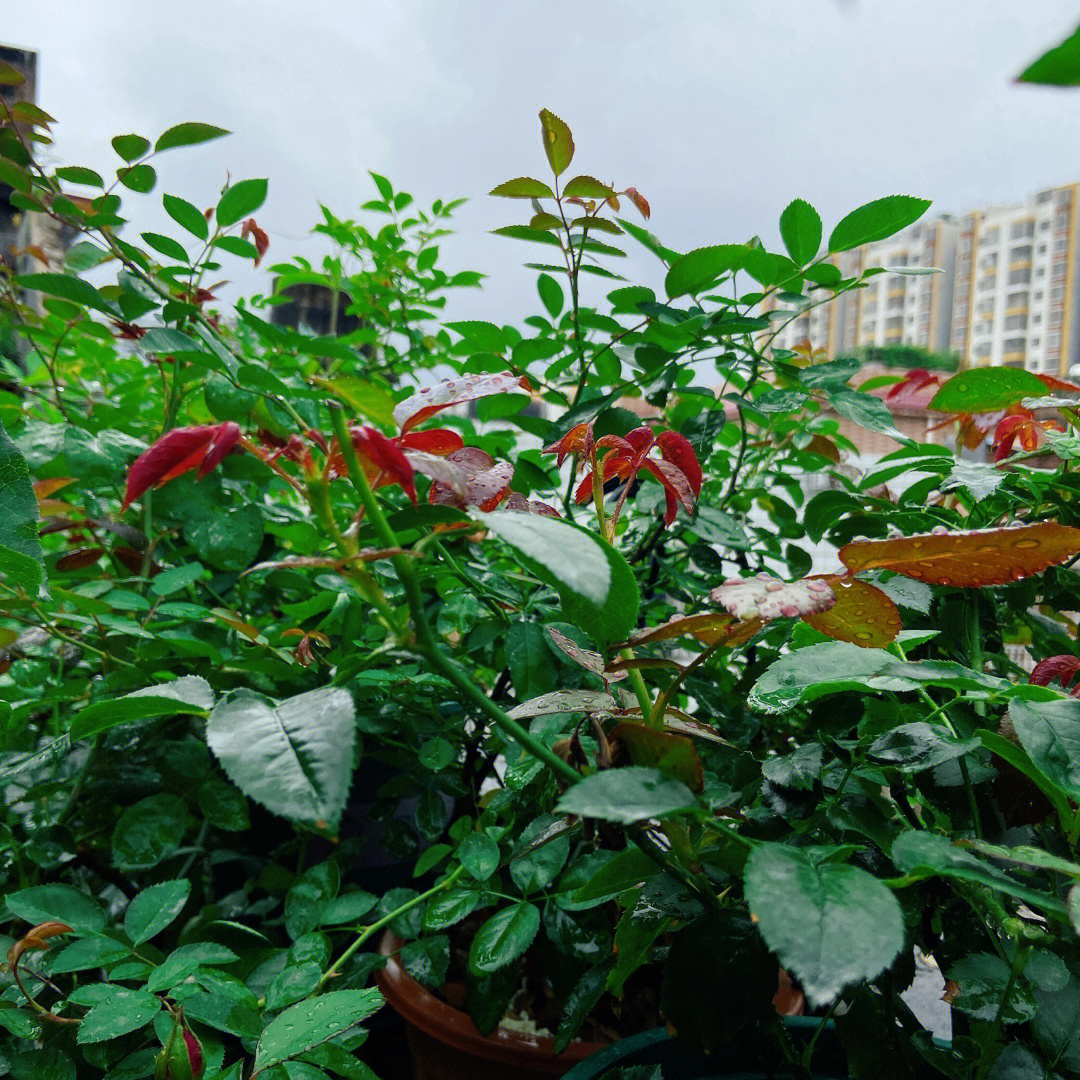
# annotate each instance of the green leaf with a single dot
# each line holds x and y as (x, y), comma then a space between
(140, 178)
(182, 962)
(558, 142)
(67, 288)
(627, 795)
(539, 865)
(525, 232)
(876, 221)
(529, 659)
(921, 855)
(60, 903)
(308, 897)
(485, 336)
(122, 1012)
(88, 953)
(479, 854)
(15, 176)
(867, 411)
(523, 187)
(186, 215)
(587, 187)
(450, 908)
(618, 873)
(189, 694)
(982, 978)
(1050, 733)
(503, 938)
(237, 245)
(700, 268)
(154, 908)
(308, 1024)
(800, 229)
(295, 983)
(580, 1002)
(240, 199)
(367, 398)
(427, 960)
(551, 294)
(176, 578)
(76, 174)
(188, 134)
(818, 670)
(149, 832)
(1059, 66)
(166, 245)
(986, 389)
(130, 147)
(227, 539)
(20, 550)
(594, 582)
(831, 925)
(295, 757)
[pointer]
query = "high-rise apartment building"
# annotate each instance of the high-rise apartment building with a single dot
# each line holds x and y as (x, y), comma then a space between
(906, 309)
(893, 309)
(1017, 292)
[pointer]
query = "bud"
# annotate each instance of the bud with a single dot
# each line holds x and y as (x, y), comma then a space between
(181, 1057)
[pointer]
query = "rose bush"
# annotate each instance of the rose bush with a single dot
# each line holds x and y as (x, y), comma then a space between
(548, 587)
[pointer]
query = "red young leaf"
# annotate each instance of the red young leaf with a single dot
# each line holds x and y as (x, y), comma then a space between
(677, 489)
(80, 560)
(429, 400)
(862, 614)
(438, 441)
(765, 597)
(179, 451)
(517, 502)
(389, 465)
(486, 482)
(677, 449)
(639, 201)
(968, 559)
(679, 470)
(1063, 668)
(578, 440)
(258, 238)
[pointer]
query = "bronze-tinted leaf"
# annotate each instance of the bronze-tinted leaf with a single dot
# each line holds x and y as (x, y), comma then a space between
(862, 614)
(671, 754)
(79, 560)
(683, 625)
(968, 559)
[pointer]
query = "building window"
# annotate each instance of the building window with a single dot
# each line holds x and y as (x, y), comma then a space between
(991, 236)
(1061, 245)
(1021, 252)
(1044, 196)
(988, 282)
(1016, 299)
(1022, 229)
(1016, 322)
(1019, 277)
(1042, 249)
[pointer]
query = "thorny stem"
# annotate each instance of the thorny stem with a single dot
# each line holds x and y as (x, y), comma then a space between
(368, 931)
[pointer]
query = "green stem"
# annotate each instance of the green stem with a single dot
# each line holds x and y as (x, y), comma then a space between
(368, 931)
(425, 640)
(642, 692)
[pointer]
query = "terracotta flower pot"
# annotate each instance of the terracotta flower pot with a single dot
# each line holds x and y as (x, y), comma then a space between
(445, 1044)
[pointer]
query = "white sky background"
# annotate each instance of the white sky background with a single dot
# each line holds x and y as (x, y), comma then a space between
(719, 112)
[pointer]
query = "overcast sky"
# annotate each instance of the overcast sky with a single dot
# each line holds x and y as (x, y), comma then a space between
(719, 112)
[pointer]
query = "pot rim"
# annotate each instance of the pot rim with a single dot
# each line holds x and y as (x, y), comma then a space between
(423, 1010)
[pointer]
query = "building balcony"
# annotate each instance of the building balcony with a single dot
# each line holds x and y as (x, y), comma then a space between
(1012, 357)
